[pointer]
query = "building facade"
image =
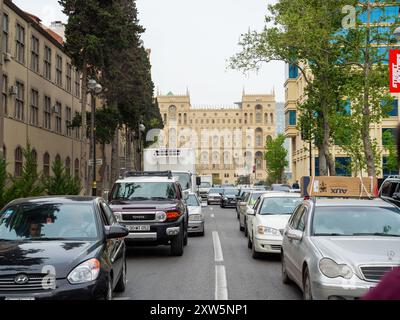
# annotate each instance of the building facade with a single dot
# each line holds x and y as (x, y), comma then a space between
(40, 96)
(304, 162)
(229, 140)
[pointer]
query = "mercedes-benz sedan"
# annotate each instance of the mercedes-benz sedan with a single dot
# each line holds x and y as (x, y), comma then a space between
(339, 249)
(61, 248)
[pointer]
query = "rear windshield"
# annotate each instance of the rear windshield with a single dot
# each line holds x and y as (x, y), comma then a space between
(231, 192)
(140, 191)
(215, 190)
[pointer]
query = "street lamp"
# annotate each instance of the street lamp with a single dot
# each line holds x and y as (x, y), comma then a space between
(142, 129)
(94, 89)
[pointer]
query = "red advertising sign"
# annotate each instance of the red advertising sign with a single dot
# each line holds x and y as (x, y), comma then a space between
(394, 71)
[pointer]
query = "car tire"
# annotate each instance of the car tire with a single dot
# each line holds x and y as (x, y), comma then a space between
(285, 277)
(249, 244)
(109, 293)
(254, 253)
(246, 232)
(241, 228)
(121, 285)
(307, 292)
(185, 239)
(177, 244)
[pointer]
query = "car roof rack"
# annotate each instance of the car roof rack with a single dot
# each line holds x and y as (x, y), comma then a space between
(148, 174)
(393, 177)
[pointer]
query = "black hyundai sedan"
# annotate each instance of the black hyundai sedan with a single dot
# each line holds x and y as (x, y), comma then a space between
(61, 248)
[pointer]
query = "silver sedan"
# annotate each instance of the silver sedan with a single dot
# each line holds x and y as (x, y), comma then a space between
(339, 249)
(196, 216)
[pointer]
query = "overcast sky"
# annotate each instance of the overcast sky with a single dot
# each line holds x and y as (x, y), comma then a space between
(191, 41)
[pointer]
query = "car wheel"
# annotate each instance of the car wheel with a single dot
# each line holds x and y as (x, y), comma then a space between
(254, 253)
(185, 239)
(249, 244)
(241, 228)
(109, 294)
(177, 244)
(285, 277)
(246, 232)
(121, 285)
(307, 292)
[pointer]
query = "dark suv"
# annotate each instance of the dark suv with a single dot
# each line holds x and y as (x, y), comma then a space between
(152, 206)
(390, 190)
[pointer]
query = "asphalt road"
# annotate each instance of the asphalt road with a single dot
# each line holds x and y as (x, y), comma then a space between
(217, 266)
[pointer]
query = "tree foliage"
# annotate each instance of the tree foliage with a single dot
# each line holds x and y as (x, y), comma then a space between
(60, 182)
(275, 157)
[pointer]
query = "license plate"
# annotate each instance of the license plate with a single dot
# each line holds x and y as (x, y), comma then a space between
(19, 298)
(139, 228)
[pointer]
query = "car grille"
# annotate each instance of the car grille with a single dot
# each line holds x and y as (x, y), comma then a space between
(276, 247)
(138, 216)
(375, 273)
(36, 282)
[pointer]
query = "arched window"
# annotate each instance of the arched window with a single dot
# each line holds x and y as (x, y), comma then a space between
(77, 168)
(248, 158)
(259, 160)
(57, 158)
(215, 142)
(272, 118)
(180, 118)
(204, 158)
(46, 164)
(34, 156)
(68, 166)
(259, 113)
(265, 118)
(269, 138)
(172, 138)
(251, 118)
(215, 157)
(18, 162)
(259, 137)
(184, 118)
(227, 158)
(172, 113)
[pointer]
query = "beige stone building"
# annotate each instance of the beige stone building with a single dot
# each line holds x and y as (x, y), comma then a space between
(229, 140)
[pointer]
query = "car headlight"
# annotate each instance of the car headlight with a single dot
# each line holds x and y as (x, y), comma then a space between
(267, 230)
(161, 216)
(118, 216)
(331, 269)
(196, 217)
(225, 198)
(85, 272)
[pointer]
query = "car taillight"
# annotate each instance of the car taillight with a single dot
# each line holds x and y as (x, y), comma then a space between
(173, 215)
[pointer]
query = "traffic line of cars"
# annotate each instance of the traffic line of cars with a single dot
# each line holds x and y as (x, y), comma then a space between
(332, 249)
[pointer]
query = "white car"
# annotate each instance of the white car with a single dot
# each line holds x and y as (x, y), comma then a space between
(196, 216)
(267, 221)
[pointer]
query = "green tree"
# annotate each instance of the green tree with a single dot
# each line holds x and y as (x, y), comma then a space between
(60, 182)
(389, 145)
(6, 190)
(304, 33)
(275, 157)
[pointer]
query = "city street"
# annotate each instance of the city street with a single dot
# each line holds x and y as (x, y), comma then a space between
(200, 273)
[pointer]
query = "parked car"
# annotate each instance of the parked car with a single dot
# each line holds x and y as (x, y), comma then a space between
(214, 196)
(61, 248)
(229, 197)
(339, 249)
(246, 205)
(196, 216)
(390, 190)
(241, 197)
(152, 206)
(268, 219)
(204, 189)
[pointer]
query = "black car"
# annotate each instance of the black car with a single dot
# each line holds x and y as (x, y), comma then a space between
(229, 197)
(390, 190)
(61, 248)
(152, 206)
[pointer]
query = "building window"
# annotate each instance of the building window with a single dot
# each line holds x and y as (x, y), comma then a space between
(388, 171)
(34, 116)
(293, 71)
(35, 54)
(68, 166)
(69, 77)
(68, 121)
(259, 137)
(47, 113)
(343, 166)
(388, 136)
(77, 84)
(59, 64)
(47, 62)
(259, 160)
(5, 94)
(57, 158)
(77, 168)
(20, 43)
(258, 114)
(77, 130)
(251, 118)
(18, 162)
(34, 157)
(291, 118)
(272, 118)
(394, 110)
(19, 102)
(4, 40)
(58, 117)
(46, 164)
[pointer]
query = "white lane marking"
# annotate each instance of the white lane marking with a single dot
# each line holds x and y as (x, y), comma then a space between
(211, 209)
(221, 286)
(212, 215)
(218, 256)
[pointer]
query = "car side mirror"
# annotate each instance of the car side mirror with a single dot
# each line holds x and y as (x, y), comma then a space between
(116, 232)
(294, 234)
(250, 212)
(242, 204)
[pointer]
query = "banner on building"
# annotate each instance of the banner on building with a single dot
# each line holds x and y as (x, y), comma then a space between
(394, 71)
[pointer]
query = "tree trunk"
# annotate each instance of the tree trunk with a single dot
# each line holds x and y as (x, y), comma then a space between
(115, 157)
(84, 145)
(323, 166)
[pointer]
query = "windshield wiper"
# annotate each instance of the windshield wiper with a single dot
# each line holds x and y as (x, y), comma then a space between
(329, 234)
(159, 198)
(138, 198)
(45, 239)
(377, 234)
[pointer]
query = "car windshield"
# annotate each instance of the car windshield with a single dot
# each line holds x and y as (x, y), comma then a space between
(140, 191)
(279, 205)
(356, 221)
(192, 201)
(254, 198)
(231, 192)
(56, 221)
(205, 185)
(280, 187)
(184, 179)
(215, 190)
